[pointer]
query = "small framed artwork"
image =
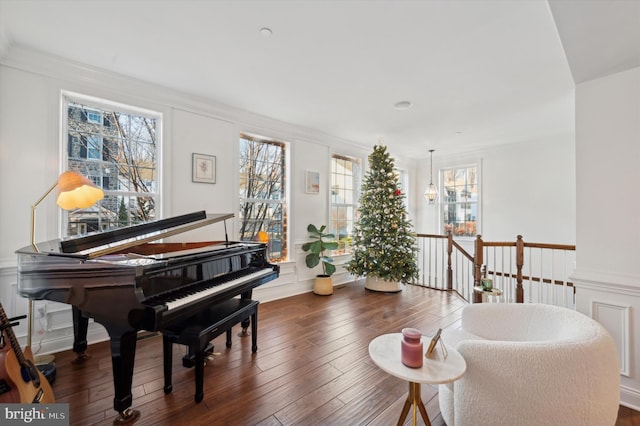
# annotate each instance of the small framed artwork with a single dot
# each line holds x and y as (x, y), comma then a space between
(312, 182)
(203, 168)
(432, 344)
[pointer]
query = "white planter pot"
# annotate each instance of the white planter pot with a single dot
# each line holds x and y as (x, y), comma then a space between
(378, 284)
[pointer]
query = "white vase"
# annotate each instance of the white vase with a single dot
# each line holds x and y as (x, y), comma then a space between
(378, 284)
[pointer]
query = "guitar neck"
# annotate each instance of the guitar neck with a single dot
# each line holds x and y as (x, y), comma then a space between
(13, 341)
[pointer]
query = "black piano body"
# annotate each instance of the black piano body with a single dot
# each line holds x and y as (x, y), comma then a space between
(128, 282)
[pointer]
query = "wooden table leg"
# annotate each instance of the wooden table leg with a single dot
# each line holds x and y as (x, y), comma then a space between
(418, 403)
(414, 399)
(407, 405)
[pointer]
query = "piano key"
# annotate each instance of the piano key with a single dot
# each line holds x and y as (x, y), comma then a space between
(216, 289)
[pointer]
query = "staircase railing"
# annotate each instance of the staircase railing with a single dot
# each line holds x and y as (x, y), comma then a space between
(524, 272)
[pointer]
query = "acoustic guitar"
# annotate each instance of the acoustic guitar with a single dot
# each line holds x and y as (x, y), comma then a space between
(20, 380)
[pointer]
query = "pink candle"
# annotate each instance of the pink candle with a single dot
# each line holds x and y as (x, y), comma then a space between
(411, 353)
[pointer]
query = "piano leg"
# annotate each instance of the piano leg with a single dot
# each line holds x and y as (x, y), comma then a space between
(80, 327)
(245, 326)
(254, 331)
(167, 362)
(123, 351)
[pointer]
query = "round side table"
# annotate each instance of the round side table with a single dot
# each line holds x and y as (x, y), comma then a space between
(439, 368)
(496, 292)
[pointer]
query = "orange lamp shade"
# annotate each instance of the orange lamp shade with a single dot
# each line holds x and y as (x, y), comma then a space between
(77, 192)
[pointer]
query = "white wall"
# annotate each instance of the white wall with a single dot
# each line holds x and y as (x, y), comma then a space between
(608, 215)
(31, 84)
(527, 189)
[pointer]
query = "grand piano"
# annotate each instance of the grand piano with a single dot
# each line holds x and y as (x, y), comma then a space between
(128, 281)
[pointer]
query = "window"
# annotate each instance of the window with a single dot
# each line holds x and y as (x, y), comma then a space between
(93, 117)
(94, 147)
(403, 185)
(263, 193)
(116, 147)
(460, 200)
(345, 181)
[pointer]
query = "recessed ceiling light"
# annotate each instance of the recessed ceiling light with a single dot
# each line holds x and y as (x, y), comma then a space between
(402, 105)
(265, 32)
(458, 133)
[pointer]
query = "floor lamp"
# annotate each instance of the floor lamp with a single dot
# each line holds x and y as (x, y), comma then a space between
(74, 192)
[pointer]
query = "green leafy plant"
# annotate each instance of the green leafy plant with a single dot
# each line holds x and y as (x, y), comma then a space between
(317, 247)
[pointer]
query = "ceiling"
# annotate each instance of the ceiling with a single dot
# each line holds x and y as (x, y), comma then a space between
(477, 73)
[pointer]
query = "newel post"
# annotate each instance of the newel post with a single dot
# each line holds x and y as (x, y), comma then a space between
(519, 265)
(449, 252)
(478, 260)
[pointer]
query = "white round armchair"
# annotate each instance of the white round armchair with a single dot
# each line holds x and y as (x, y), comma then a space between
(531, 364)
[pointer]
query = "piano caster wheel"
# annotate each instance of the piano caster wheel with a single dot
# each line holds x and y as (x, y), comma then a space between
(168, 389)
(244, 333)
(127, 417)
(81, 358)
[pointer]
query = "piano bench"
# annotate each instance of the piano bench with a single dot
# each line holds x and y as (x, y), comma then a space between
(196, 332)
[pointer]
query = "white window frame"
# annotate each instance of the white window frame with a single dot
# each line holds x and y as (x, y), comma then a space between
(99, 103)
(478, 202)
(282, 200)
(356, 178)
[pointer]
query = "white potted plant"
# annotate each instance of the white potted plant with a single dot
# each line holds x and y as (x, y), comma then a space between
(320, 243)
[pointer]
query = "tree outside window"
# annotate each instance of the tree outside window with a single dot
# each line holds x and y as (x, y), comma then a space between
(262, 193)
(118, 150)
(460, 200)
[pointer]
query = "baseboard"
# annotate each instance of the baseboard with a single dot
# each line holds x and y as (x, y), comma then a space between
(630, 398)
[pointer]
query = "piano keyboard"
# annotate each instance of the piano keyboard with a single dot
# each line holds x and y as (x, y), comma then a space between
(215, 289)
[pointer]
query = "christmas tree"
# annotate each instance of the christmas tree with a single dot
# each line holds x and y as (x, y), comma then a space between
(384, 244)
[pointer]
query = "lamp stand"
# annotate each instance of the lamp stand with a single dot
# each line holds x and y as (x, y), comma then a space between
(33, 216)
(37, 359)
(75, 191)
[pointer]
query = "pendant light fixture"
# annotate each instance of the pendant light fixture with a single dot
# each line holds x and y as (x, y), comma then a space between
(431, 194)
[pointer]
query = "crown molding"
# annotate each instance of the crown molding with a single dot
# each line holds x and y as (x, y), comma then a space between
(87, 78)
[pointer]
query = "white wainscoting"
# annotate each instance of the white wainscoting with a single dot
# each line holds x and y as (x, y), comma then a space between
(615, 318)
(614, 301)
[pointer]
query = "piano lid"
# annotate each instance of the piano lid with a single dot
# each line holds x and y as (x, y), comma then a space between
(117, 240)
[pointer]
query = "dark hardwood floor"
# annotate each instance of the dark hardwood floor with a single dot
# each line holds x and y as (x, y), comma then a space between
(312, 367)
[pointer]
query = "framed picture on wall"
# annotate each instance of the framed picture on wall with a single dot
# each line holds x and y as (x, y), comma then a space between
(203, 168)
(312, 182)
